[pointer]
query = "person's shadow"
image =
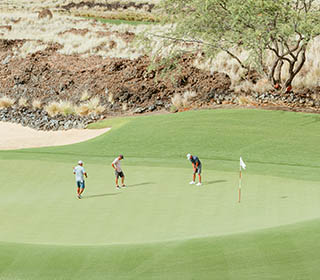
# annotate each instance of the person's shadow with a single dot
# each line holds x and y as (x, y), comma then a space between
(99, 195)
(140, 184)
(215, 182)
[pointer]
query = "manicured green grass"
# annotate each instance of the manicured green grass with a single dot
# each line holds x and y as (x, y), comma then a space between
(161, 227)
(290, 252)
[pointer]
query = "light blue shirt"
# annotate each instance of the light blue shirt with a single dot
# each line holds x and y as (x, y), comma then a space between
(79, 172)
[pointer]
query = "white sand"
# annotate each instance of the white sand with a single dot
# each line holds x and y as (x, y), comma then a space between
(15, 136)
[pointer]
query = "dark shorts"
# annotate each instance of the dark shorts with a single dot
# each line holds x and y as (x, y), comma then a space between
(198, 170)
(81, 184)
(119, 174)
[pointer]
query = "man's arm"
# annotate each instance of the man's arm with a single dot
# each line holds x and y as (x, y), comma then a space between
(194, 167)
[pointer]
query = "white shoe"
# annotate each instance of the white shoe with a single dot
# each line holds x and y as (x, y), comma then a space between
(192, 183)
(199, 184)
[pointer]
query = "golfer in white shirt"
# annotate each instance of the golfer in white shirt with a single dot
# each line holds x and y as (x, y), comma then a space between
(118, 171)
(80, 173)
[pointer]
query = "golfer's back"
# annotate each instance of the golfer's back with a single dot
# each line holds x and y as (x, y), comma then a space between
(79, 171)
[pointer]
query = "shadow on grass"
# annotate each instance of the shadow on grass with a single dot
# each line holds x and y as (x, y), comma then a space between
(215, 182)
(99, 195)
(141, 184)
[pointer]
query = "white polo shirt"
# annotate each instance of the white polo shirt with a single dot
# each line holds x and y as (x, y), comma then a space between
(117, 164)
(79, 171)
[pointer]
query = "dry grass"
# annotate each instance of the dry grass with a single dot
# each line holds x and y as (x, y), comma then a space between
(53, 108)
(83, 110)
(132, 15)
(124, 107)
(110, 98)
(91, 107)
(93, 103)
(23, 102)
(6, 102)
(182, 101)
(41, 32)
(99, 110)
(63, 107)
(176, 100)
(85, 96)
(244, 100)
(262, 86)
(36, 104)
(67, 108)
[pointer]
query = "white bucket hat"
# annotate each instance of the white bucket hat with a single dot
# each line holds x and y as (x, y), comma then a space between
(188, 156)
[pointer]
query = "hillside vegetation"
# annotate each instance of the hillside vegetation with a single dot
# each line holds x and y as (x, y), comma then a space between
(71, 64)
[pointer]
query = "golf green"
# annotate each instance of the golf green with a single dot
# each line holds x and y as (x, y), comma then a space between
(160, 227)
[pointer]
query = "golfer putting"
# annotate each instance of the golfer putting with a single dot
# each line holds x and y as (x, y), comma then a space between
(118, 171)
(196, 164)
(80, 173)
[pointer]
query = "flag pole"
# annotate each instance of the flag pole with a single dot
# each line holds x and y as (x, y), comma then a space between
(242, 165)
(240, 177)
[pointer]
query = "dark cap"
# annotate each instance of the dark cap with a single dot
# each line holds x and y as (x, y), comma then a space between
(121, 156)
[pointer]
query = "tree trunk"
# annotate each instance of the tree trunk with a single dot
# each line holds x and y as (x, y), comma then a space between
(293, 72)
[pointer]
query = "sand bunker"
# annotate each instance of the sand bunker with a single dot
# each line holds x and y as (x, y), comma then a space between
(14, 136)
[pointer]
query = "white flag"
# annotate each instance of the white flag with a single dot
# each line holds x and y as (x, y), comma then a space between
(242, 164)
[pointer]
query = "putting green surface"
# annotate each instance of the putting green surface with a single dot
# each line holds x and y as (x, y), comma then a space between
(160, 227)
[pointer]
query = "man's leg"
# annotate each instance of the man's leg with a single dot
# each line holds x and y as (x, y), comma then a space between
(199, 175)
(81, 191)
(117, 177)
(122, 181)
(193, 179)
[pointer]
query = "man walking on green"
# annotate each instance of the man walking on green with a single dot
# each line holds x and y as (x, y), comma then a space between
(80, 173)
(197, 167)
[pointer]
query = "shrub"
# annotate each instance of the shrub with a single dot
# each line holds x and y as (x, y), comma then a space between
(36, 104)
(23, 102)
(83, 110)
(6, 102)
(85, 96)
(176, 100)
(53, 108)
(99, 110)
(66, 108)
(110, 98)
(179, 101)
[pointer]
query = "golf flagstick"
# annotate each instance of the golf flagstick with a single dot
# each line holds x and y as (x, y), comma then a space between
(242, 165)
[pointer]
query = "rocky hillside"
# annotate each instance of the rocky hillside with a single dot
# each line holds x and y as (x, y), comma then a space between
(63, 71)
(122, 86)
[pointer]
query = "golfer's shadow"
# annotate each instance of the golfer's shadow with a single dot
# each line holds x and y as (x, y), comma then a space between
(141, 184)
(100, 195)
(215, 182)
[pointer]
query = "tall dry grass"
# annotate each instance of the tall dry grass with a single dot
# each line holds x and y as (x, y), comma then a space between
(182, 101)
(23, 102)
(92, 106)
(36, 104)
(6, 102)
